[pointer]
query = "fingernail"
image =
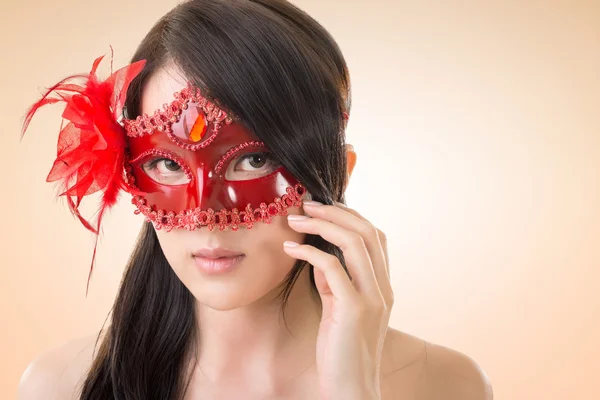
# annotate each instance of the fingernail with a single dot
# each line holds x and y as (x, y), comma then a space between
(312, 203)
(290, 244)
(295, 217)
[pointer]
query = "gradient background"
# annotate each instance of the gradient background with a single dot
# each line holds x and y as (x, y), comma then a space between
(477, 127)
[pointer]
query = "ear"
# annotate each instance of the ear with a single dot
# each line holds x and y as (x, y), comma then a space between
(351, 161)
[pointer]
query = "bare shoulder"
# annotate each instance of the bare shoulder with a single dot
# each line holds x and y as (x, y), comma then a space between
(415, 369)
(57, 373)
(453, 375)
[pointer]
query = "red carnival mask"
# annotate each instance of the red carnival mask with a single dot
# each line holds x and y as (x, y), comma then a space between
(199, 166)
(190, 165)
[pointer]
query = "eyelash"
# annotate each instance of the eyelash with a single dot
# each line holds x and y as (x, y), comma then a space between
(151, 166)
(232, 153)
(152, 163)
(161, 155)
(265, 154)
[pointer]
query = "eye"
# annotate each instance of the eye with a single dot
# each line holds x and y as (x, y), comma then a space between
(251, 166)
(256, 160)
(166, 171)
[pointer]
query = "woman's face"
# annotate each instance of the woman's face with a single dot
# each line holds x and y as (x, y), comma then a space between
(262, 264)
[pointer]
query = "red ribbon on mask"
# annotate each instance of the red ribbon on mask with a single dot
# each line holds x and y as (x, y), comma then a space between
(91, 146)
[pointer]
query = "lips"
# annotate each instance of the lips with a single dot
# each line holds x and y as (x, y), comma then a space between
(217, 260)
(216, 252)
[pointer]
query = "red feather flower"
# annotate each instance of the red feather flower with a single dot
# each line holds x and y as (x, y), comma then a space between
(91, 147)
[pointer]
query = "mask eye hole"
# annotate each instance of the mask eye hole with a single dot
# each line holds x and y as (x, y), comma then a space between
(251, 166)
(164, 167)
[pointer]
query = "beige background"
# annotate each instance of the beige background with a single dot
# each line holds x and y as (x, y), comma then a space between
(478, 132)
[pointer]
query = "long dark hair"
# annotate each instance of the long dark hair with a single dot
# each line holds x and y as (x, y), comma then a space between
(283, 74)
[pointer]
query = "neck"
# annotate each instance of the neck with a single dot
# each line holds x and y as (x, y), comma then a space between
(255, 342)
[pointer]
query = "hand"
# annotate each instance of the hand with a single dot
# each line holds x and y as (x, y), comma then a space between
(355, 312)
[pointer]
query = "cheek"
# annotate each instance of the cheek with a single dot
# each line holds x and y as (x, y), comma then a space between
(263, 246)
(173, 247)
(266, 241)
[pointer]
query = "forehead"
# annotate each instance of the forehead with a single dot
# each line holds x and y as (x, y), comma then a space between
(160, 87)
(158, 90)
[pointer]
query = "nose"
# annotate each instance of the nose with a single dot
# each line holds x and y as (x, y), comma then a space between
(201, 188)
(209, 191)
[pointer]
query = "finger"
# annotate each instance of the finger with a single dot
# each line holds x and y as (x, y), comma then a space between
(380, 235)
(337, 279)
(324, 290)
(382, 274)
(352, 245)
(374, 240)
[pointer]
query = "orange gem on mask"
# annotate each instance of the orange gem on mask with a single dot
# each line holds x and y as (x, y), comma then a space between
(199, 128)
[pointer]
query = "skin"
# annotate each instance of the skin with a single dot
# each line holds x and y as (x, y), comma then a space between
(238, 313)
(343, 349)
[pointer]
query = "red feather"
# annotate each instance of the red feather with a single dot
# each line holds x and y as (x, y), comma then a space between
(91, 146)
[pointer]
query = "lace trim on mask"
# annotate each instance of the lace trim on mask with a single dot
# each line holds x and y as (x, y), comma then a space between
(162, 120)
(191, 219)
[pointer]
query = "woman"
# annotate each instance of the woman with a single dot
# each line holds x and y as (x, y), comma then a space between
(251, 278)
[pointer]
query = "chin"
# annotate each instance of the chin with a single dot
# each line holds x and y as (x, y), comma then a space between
(223, 297)
(224, 302)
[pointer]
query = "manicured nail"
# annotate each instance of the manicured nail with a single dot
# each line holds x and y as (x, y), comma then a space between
(295, 217)
(290, 244)
(312, 203)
